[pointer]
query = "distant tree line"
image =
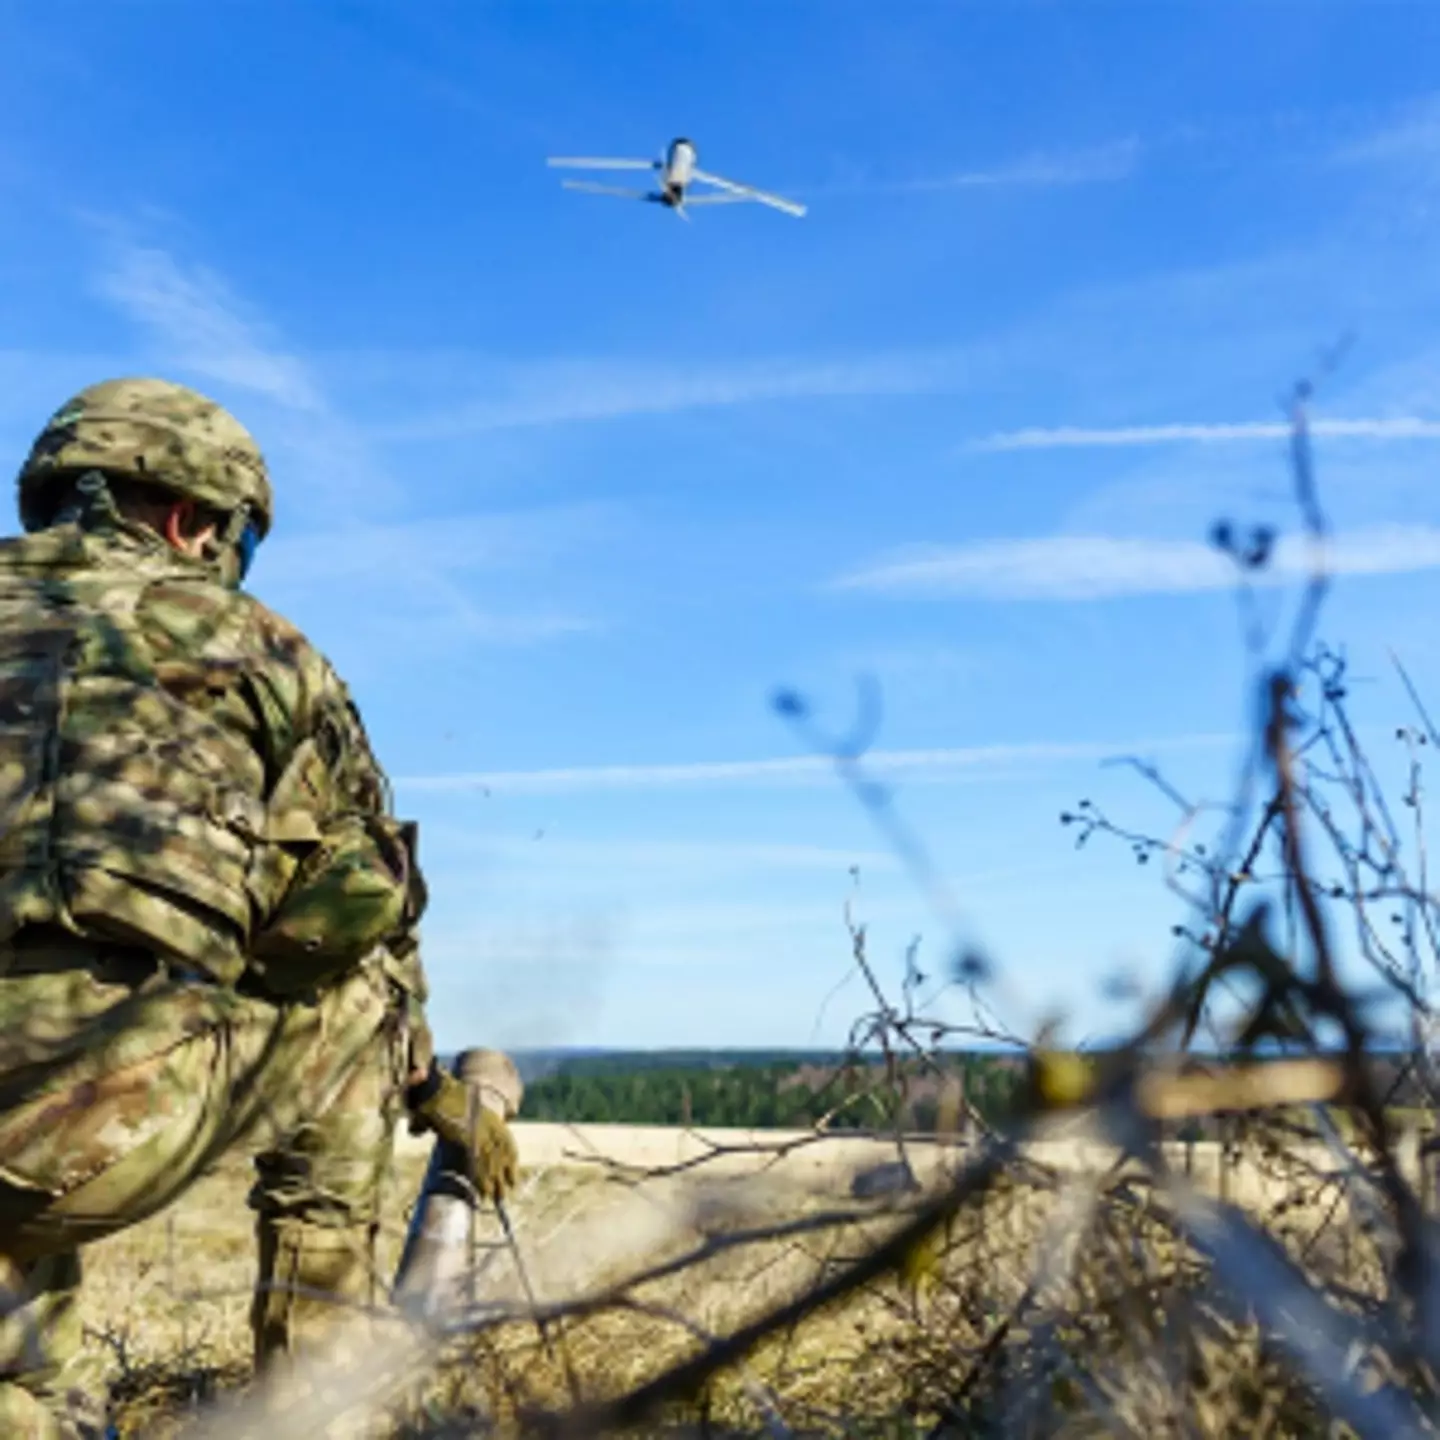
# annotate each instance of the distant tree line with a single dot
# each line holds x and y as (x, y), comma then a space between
(767, 1093)
(776, 1090)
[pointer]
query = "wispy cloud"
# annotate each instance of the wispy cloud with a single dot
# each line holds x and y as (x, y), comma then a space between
(419, 566)
(700, 858)
(203, 328)
(1093, 567)
(433, 396)
(912, 765)
(206, 326)
(1400, 427)
(448, 544)
(568, 392)
(1414, 134)
(1041, 169)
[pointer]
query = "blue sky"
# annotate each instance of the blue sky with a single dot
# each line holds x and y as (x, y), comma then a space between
(567, 487)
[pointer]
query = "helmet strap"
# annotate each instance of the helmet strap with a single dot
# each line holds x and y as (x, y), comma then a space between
(91, 504)
(227, 544)
(235, 525)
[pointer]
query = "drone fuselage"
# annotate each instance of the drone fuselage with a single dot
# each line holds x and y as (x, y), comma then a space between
(677, 171)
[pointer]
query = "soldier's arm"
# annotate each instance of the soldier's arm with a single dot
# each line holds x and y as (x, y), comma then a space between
(363, 782)
(355, 881)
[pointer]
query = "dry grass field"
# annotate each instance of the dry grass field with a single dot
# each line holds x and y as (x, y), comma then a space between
(165, 1303)
(1054, 1306)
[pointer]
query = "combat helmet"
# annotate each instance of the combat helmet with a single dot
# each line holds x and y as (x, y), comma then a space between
(159, 432)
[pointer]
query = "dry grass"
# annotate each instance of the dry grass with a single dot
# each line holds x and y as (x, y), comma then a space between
(165, 1303)
(1050, 1307)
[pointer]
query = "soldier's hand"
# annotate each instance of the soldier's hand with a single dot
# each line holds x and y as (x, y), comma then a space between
(451, 1110)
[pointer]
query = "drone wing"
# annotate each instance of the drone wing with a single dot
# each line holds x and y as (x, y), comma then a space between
(590, 162)
(746, 192)
(590, 188)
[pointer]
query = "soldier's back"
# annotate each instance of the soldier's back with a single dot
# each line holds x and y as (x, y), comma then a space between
(144, 711)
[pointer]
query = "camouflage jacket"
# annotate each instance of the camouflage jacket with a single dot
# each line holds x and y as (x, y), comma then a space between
(181, 770)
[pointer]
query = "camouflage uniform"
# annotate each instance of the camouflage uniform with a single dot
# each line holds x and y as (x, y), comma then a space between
(207, 910)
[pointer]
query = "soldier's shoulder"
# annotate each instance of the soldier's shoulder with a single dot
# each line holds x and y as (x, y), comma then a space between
(271, 631)
(284, 645)
(43, 550)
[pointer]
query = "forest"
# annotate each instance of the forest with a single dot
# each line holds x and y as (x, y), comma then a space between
(768, 1092)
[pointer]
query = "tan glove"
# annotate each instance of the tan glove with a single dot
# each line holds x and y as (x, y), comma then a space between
(448, 1107)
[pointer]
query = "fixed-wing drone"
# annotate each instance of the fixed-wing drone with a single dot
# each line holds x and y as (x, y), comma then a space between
(676, 173)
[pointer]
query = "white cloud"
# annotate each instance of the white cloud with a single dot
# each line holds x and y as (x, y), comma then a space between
(495, 541)
(566, 392)
(1400, 427)
(201, 326)
(1088, 567)
(206, 327)
(424, 569)
(1116, 161)
(698, 859)
(1413, 135)
(1400, 163)
(1134, 336)
(912, 765)
(1041, 169)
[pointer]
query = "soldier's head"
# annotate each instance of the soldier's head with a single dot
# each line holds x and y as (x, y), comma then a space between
(170, 458)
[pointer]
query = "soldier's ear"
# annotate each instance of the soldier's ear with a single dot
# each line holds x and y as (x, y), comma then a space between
(180, 523)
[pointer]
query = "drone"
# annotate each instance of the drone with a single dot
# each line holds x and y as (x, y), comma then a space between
(675, 173)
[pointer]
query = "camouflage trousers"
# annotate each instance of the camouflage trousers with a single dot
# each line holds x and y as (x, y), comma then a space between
(117, 1092)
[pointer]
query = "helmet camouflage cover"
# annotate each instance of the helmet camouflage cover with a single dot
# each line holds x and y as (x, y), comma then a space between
(152, 430)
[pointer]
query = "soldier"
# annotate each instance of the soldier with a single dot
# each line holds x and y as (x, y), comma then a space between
(207, 909)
